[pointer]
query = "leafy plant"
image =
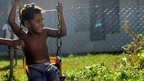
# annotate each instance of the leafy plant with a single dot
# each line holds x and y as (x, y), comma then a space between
(136, 48)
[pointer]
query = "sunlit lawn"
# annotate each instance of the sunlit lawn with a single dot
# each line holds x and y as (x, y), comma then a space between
(69, 63)
(77, 62)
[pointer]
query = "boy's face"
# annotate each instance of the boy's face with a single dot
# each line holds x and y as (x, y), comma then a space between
(36, 24)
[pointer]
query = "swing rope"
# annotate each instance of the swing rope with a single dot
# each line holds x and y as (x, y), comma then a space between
(22, 37)
(59, 40)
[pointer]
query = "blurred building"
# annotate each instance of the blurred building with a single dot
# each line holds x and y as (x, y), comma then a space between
(93, 25)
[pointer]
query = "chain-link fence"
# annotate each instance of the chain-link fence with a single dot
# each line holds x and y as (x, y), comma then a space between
(92, 25)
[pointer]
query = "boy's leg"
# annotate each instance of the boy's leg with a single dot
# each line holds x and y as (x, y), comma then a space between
(35, 75)
(55, 79)
(52, 73)
(43, 72)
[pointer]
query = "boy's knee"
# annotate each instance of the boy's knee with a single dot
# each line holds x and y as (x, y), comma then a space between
(56, 78)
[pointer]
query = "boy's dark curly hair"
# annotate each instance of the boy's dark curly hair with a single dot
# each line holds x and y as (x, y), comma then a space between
(28, 12)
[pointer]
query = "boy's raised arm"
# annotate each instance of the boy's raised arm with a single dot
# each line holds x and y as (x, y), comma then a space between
(63, 31)
(11, 19)
(61, 21)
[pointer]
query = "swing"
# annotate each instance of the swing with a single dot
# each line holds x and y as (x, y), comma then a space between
(53, 60)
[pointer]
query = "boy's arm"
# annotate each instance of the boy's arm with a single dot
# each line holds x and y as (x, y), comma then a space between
(4, 41)
(62, 21)
(11, 19)
(62, 30)
(13, 43)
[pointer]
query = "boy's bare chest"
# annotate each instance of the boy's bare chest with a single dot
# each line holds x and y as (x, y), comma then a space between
(36, 42)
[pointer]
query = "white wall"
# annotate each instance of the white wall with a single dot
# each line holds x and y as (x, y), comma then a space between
(77, 18)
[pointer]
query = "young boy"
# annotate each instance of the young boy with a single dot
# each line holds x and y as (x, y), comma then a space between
(36, 50)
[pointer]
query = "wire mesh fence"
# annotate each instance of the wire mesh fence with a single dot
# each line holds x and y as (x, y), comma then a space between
(92, 25)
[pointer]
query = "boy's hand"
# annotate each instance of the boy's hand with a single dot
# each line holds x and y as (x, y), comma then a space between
(17, 44)
(59, 7)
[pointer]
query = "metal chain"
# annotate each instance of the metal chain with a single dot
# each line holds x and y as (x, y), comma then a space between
(59, 40)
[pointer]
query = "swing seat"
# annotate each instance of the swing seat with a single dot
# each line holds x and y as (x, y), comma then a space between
(53, 60)
(56, 61)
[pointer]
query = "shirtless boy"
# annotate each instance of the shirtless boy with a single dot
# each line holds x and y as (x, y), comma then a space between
(36, 49)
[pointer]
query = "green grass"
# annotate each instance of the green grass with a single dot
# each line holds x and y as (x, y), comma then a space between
(19, 73)
(74, 63)
(69, 63)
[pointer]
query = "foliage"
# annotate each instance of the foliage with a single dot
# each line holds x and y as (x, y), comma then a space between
(135, 49)
(121, 70)
(101, 72)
